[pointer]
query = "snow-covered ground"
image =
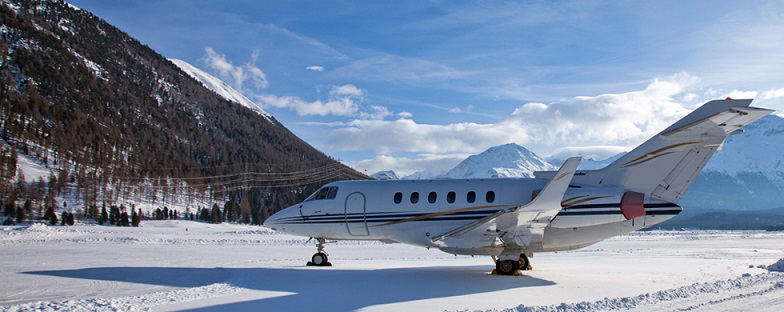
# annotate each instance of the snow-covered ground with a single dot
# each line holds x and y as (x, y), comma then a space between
(176, 265)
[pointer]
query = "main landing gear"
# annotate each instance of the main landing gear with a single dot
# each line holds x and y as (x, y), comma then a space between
(320, 258)
(512, 266)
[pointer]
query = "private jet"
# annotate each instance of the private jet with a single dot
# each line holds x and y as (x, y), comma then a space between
(510, 219)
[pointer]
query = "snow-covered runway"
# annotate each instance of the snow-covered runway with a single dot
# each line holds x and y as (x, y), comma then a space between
(180, 265)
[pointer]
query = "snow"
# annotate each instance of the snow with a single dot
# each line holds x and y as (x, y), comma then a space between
(32, 169)
(425, 174)
(385, 175)
(92, 66)
(218, 86)
(504, 161)
(75, 8)
(177, 265)
(751, 151)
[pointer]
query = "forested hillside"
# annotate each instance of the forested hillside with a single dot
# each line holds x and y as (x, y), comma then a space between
(117, 121)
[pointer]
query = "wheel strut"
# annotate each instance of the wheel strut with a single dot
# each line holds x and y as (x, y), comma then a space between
(320, 257)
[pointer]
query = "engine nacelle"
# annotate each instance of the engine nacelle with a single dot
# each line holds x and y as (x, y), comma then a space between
(588, 206)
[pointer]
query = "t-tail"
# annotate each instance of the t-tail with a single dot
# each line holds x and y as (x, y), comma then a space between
(665, 166)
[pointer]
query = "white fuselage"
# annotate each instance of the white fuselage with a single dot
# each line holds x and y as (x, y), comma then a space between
(384, 210)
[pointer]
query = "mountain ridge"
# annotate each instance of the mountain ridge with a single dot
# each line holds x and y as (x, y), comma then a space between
(119, 120)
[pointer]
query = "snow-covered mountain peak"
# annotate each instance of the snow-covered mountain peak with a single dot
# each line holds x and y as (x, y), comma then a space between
(757, 150)
(385, 175)
(503, 161)
(218, 86)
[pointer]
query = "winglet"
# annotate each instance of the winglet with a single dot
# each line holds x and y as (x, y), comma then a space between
(551, 195)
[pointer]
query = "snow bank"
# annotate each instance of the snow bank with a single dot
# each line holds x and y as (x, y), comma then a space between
(770, 282)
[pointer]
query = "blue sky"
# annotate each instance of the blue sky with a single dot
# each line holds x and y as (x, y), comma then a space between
(416, 85)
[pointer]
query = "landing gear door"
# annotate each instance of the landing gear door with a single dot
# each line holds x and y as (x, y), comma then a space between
(355, 215)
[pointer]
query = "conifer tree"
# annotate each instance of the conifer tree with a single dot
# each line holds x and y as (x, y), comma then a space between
(217, 217)
(70, 219)
(20, 215)
(124, 219)
(10, 208)
(51, 215)
(205, 215)
(64, 218)
(28, 209)
(104, 216)
(135, 218)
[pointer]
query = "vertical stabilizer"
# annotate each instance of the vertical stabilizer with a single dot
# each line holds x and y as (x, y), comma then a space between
(667, 164)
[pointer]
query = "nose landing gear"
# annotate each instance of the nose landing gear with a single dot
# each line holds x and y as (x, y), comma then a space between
(320, 258)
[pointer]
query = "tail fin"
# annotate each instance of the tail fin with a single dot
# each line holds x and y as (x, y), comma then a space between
(666, 165)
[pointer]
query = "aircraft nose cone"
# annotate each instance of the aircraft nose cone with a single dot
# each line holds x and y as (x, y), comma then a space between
(271, 222)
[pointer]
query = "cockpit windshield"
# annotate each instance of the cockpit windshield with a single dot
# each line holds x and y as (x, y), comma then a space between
(324, 193)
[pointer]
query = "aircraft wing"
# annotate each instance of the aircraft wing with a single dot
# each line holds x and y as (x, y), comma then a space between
(520, 226)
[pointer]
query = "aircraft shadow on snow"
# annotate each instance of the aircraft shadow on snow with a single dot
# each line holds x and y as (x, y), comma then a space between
(323, 288)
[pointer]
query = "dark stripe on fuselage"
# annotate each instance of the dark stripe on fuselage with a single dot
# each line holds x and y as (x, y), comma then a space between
(443, 218)
(612, 212)
(618, 205)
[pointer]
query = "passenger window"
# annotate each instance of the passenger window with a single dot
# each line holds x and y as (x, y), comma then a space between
(431, 198)
(471, 197)
(414, 197)
(398, 197)
(333, 191)
(450, 197)
(322, 193)
(490, 197)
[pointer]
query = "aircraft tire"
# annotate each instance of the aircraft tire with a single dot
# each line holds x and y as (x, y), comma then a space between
(507, 267)
(524, 262)
(320, 259)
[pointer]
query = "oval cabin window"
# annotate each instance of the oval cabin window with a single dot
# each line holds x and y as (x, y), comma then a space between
(490, 197)
(471, 197)
(414, 197)
(431, 198)
(398, 197)
(450, 197)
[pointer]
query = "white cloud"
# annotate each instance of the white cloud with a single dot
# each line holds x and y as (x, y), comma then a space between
(347, 90)
(593, 152)
(455, 110)
(236, 75)
(315, 68)
(376, 113)
(340, 105)
(611, 119)
(772, 94)
(735, 94)
(405, 115)
(344, 100)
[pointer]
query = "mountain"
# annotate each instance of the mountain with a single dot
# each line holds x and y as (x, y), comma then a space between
(218, 86)
(504, 161)
(385, 175)
(425, 175)
(747, 173)
(118, 121)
